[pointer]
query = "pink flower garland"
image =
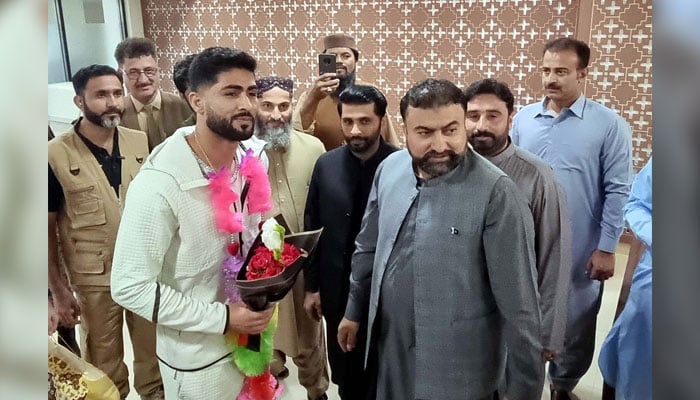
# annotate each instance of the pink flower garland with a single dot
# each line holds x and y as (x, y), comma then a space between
(229, 221)
(223, 197)
(258, 200)
(260, 193)
(222, 200)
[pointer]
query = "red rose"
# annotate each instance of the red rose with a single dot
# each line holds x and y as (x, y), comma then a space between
(272, 270)
(263, 264)
(289, 254)
(259, 263)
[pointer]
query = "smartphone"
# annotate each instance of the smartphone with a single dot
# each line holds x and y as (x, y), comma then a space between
(326, 63)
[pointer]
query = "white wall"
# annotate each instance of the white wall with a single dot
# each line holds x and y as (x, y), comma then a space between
(61, 108)
(92, 43)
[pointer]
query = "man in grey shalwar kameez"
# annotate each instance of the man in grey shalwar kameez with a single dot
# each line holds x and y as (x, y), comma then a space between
(489, 115)
(445, 296)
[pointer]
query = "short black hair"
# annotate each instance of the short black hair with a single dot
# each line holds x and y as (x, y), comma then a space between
(491, 86)
(363, 94)
(432, 93)
(566, 43)
(134, 48)
(83, 76)
(181, 72)
(207, 65)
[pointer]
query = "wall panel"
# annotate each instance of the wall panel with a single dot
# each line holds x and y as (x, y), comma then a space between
(401, 42)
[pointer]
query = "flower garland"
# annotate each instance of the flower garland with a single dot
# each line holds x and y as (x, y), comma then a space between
(259, 384)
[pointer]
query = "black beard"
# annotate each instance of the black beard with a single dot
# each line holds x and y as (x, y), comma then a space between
(345, 82)
(497, 146)
(437, 169)
(101, 119)
(224, 128)
(366, 144)
(278, 139)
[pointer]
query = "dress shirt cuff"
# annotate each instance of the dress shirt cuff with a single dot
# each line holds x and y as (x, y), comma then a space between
(607, 243)
(310, 283)
(310, 287)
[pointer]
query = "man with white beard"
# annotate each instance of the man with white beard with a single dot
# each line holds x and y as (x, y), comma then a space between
(292, 156)
(90, 169)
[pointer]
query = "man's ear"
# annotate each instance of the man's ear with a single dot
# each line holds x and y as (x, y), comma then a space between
(196, 102)
(78, 101)
(582, 73)
(510, 120)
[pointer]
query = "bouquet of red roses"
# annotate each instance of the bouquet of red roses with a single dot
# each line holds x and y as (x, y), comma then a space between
(266, 276)
(263, 263)
(273, 264)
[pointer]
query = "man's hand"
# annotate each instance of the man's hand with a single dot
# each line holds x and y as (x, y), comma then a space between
(66, 306)
(601, 265)
(242, 319)
(53, 319)
(347, 334)
(312, 305)
(324, 85)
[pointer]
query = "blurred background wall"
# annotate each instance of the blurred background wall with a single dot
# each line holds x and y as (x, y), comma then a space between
(402, 42)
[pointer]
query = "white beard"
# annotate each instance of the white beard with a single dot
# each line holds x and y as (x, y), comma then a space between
(110, 122)
(278, 139)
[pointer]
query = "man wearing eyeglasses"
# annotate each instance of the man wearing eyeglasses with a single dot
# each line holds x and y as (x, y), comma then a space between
(147, 108)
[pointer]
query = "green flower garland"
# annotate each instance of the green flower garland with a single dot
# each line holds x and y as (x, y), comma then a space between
(253, 363)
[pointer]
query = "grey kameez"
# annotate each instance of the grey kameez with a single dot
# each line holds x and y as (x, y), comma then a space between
(546, 200)
(396, 318)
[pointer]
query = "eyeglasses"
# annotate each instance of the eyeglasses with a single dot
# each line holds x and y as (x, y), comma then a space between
(135, 74)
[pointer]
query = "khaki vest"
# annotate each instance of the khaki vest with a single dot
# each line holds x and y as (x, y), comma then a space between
(89, 219)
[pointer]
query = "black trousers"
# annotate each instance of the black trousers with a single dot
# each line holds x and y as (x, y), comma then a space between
(347, 369)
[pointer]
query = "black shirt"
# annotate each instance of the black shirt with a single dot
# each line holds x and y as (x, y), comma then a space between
(364, 176)
(111, 166)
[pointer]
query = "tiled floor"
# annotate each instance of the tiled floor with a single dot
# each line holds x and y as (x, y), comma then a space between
(588, 389)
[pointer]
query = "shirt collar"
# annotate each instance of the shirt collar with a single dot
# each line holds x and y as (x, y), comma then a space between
(383, 150)
(95, 149)
(576, 108)
(155, 103)
(505, 154)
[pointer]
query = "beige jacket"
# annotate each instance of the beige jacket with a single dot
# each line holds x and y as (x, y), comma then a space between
(88, 222)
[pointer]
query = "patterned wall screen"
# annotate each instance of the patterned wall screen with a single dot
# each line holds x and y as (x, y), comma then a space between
(402, 42)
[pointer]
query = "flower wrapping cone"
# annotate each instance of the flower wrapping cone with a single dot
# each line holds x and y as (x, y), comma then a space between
(259, 293)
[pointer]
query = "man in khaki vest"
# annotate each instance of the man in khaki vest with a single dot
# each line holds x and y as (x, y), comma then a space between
(292, 156)
(147, 108)
(317, 110)
(90, 168)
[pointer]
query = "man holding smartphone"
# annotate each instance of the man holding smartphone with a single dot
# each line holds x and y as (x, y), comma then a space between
(317, 113)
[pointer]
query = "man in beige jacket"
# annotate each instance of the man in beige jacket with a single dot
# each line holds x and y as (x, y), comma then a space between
(90, 168)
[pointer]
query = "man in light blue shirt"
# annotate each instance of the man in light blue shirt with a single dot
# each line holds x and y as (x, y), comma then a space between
(589, 148)
(625, 357)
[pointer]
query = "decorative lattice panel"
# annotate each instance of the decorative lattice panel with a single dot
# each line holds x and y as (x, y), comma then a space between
(402, 42)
